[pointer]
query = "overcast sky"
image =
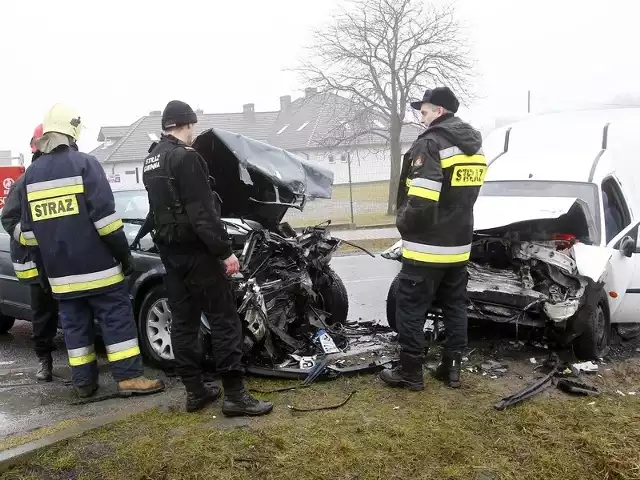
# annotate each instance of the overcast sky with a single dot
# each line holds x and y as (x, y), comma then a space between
(116, 61)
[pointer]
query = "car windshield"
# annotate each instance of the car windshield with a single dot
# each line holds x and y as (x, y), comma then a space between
(132, 204)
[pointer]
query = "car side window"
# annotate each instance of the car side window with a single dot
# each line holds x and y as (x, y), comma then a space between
(616, 212)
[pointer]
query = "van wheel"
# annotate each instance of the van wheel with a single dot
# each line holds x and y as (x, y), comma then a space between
(6, 323)
(595, 341)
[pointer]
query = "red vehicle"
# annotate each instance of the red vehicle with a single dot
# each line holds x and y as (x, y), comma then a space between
(8, 175)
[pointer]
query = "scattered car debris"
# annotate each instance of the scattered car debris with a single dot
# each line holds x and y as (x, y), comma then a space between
(576, 387)
(620, 393)
(328, 407)
(533, 389)
(586, 367)
(533, 360)
(491, 367)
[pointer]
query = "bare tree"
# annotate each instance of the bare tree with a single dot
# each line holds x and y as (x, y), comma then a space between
(378, 55)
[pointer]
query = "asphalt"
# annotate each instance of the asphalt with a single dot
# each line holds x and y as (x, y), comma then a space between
(25, 405)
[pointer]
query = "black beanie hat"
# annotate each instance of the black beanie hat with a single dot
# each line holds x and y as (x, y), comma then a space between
(440, 96)
(177, 113)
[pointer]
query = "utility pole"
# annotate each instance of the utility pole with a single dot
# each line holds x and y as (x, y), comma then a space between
(528, 101)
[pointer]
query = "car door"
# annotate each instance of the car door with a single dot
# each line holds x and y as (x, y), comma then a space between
(626, 278)
(15, 297)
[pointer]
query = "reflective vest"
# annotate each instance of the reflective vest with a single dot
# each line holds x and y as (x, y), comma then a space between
(441, 195)
(68, 212)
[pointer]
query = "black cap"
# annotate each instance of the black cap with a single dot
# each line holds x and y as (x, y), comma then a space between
(177, 113)
(440, 96)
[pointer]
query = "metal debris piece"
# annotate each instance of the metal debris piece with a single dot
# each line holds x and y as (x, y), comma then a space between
(316, 409)
(620, 393)
(586, 367)
(533, 389)
(533, 360)
(577, 387)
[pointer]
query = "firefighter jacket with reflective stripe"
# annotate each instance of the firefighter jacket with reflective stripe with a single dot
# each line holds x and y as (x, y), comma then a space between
(68, 212)
(185, 210)
(23, 257)
(444, 171)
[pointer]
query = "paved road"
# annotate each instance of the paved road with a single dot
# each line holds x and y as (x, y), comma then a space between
(24, 406)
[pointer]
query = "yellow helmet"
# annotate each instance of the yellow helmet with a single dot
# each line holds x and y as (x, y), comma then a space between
(62, 119)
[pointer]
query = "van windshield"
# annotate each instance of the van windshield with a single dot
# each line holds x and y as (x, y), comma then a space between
(587, 192)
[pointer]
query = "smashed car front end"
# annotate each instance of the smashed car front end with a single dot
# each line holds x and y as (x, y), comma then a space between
(525, 267)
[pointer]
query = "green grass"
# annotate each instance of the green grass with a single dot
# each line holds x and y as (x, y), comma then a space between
(380, 434)
(363, 192)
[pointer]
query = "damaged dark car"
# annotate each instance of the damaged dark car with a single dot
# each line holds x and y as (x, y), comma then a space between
(292, 304)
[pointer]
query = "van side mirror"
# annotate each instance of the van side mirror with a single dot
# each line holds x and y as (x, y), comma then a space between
(628, 246)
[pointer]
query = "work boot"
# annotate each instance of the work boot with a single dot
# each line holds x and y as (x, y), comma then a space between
(45, 370)
(448, 370)
(238, 402)
(197, 400)
(139, 386)
(86, 391)
(408, 373)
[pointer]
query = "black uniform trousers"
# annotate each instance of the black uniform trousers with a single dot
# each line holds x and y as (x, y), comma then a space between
(45, 317)
(196, 283)
(418, 289)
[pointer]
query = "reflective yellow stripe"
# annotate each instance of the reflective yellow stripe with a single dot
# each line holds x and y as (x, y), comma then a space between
(79, 361)
(123, 350)
(424, 193)
(55, 192)
(434, 257)
(435, 254)
(25, 270)
(81, 356)
(425, 188)
(89, 281)
(108, 224)
(459, 159)
(28, 238)
(124, 354)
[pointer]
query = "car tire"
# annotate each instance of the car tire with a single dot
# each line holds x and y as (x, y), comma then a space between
(595, 340)
(154, 331)
(391, 303)
(335, 299)
(6, 323)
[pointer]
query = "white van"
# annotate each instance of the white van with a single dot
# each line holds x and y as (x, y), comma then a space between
(556, 228)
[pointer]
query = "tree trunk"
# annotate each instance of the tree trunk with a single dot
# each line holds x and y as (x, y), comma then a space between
(396, 165)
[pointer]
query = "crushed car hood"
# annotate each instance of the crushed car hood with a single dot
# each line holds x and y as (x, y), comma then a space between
(281, 167)
(495, 212)
(257, 181)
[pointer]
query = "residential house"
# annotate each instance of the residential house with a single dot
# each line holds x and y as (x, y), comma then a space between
(322, 127)
(5, 157)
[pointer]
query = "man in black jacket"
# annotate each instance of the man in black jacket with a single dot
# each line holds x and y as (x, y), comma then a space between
(443, 173)
(196, 252)
(28, 270)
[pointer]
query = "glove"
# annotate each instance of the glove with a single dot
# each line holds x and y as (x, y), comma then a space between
(127, 266)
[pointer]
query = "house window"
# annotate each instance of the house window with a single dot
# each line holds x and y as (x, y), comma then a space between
(153, 137)
(344, 158)
(331, 158)
(130, 172)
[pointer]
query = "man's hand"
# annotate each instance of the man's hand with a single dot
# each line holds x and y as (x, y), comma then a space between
(231, 265)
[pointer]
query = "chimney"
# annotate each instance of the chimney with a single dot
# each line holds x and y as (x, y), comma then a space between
(310, 91)
(199, 111)
(155, 113)
(285, 103)
(248, 109)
